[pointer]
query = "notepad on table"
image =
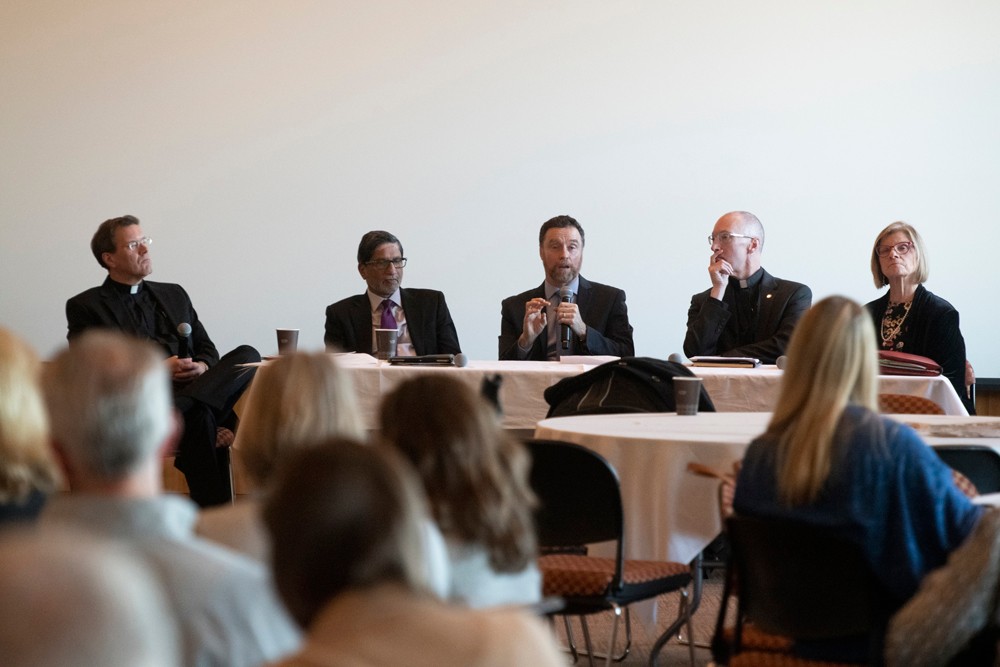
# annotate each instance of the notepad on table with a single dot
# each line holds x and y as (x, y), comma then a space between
(726, 362)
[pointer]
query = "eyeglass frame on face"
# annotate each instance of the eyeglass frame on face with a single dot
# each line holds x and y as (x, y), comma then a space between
(725, 237)
(901, 248)
(133, 245)
(383, 264)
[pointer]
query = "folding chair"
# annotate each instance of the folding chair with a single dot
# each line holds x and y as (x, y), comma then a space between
(798, 583)
(979, 463)
(580, 504)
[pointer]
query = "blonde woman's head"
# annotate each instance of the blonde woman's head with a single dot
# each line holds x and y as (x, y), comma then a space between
(833, 354)
(295, 401)
(26, 464)
(901, 232)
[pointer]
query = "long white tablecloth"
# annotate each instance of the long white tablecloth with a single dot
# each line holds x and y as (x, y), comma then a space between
(671, 514)
(524, 383)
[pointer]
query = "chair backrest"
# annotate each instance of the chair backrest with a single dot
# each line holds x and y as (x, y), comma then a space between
(904, 404)
(629, 384)
(579, 498)
(980, 463)
(804, 581)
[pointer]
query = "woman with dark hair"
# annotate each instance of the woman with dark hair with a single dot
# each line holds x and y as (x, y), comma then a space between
(346, 524)
(909, 318)
(475, 476)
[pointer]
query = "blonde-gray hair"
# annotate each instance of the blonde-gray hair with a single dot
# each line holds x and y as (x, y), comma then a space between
(923, 270)
(26, 463)
(295, 401)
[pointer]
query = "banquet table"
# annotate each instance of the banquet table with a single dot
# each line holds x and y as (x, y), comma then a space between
(672, 514)
(523, 384)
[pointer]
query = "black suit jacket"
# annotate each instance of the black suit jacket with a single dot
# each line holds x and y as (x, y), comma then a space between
(103, 308)
(602, 308)
(432, 331)
(711, 330)
(931, 330)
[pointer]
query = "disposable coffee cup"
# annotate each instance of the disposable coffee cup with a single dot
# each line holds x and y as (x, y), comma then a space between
(687, 392)
(288, 340)
(385, 343)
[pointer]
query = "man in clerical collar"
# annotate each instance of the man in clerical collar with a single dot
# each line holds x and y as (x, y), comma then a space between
(747, 312)
(420, 316)
(205, 386)
(567, 314)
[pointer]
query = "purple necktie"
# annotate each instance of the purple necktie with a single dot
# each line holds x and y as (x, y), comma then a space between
(388, 321)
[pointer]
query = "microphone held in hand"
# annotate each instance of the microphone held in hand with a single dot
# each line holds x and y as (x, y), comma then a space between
(566, 296)
(184, 346)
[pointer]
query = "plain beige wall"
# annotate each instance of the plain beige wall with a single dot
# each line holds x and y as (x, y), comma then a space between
(258, 140)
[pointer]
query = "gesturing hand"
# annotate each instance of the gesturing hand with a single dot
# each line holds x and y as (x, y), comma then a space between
(535, 321)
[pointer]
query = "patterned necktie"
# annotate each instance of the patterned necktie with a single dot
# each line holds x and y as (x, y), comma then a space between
(552, 349)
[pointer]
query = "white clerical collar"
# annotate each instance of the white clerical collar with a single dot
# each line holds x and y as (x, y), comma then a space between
(125, 288)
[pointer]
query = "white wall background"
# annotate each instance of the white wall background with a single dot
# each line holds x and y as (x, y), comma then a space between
(258, 140)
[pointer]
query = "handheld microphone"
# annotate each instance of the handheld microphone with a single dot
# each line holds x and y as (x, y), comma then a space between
(184, 348)
(461, 360)
(566, 296)
(781, 362)
(677, 358)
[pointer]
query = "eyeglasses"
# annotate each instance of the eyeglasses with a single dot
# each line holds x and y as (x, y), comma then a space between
(383, 264)
(144, 241)
(900, 248)
(725, 237)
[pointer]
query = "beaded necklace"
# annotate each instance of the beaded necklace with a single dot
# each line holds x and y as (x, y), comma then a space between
(892, 322)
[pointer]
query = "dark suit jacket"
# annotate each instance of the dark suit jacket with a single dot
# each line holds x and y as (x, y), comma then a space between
(602, 308)
(931, 330)
(711, 330)
(102, 308)
(432, 331)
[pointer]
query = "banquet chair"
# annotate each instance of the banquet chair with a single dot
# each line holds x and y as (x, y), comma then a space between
(979, 463)
(797, 580)
(580, 504)
(905, 404)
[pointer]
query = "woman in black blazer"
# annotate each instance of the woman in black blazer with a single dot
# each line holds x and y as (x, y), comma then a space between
(909, 318)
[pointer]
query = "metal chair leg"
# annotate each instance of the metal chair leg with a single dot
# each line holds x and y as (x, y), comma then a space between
(569, 639)
(614, 635)
(586, 640)
(597, 654)
(683, 615)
